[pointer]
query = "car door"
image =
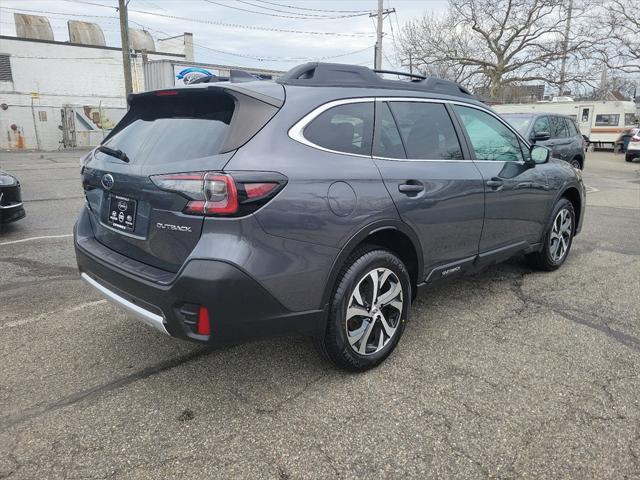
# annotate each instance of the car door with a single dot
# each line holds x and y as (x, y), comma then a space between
(436, 191)
(542, 125)
(560, 140)
(516, 192)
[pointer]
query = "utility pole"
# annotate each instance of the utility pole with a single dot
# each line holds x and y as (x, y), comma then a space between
(124, 36)
(565, 48)
(377, 63)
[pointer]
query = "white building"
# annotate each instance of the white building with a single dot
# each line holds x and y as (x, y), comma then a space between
(57, 94)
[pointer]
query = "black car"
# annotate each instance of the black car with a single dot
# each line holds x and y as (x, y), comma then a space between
(319, 203)
(11, 208)
(558, 133)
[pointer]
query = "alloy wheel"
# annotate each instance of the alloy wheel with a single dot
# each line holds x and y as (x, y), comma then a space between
(560, 235)
(374, 311)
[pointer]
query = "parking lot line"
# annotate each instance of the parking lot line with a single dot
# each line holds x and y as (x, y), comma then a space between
(26, 321)
(36, 238)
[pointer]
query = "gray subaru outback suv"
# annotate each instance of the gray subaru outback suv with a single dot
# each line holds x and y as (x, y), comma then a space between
(320, 203)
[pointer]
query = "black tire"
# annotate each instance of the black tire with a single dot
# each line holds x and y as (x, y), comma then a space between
(575, 163)
(628, 158)
(335, 345)
(544, 259)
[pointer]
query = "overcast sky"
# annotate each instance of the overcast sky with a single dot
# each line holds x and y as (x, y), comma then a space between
(269, 49)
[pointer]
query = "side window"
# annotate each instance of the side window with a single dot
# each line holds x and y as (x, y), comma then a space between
(573, 130)
(604, 120)
(558, 127)
(387, 142)
(426, 130)
(630, 119)
(345, 128)
(490, 138)
(542, 125)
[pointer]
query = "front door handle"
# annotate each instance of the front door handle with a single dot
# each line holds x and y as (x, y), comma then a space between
(411, 186)
(495, 183)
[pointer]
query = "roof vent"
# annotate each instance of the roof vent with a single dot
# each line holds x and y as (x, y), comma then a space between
(32, 26)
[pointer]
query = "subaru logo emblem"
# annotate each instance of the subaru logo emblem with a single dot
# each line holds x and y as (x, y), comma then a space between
(107, 181)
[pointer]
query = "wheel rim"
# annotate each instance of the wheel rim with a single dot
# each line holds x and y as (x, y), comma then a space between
(374, 311)
(575, 163)
(560, 235)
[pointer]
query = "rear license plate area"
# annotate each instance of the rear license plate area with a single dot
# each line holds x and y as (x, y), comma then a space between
(122, 213)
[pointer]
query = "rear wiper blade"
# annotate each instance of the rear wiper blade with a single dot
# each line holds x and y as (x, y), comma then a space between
(114, 153)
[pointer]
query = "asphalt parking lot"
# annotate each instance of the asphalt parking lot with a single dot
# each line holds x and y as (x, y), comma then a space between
(507, 374)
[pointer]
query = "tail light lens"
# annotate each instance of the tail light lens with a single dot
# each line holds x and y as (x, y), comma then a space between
(214, 194)
(635, 139)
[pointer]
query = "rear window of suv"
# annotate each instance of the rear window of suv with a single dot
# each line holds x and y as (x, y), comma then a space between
(164, 129)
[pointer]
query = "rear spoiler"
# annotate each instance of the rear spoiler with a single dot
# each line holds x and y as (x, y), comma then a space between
(226, 86)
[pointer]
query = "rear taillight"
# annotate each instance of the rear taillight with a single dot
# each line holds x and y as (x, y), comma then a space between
(219, 193)
(635, 139)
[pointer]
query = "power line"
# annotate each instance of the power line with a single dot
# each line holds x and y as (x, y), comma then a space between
(231, 25)
(306, 16)
(313, 9)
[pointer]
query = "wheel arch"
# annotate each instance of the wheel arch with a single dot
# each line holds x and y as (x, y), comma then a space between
(391, 234)
(573, 195)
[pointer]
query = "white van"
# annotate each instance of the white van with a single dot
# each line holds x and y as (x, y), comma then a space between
(603, 122)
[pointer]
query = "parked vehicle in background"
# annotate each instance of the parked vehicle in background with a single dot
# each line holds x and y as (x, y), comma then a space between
(558, 133)
(320, 203)
(603, 122)
(11, 207)
(633, 147)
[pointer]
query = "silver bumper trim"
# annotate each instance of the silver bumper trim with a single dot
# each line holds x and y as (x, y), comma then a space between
(15, 205)
(151, 319)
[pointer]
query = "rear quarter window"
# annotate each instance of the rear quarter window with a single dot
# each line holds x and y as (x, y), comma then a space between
(344, 128)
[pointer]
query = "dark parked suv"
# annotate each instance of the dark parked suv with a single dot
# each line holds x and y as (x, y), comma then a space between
(320, 203)
(559, 133)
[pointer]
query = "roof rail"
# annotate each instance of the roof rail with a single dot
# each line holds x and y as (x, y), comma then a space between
(318, 74)
(404, 74)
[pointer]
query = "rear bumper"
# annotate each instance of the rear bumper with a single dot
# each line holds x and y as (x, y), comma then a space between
(150, 318)
(239, 307)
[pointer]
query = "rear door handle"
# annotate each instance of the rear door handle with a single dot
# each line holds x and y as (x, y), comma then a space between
(413, 187)
(495, 183)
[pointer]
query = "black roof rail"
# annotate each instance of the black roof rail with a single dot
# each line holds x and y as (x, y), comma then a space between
(403, 74)
(318, 74)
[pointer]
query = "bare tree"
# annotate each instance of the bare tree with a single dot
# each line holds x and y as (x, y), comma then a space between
(618, 45)
(499, 43)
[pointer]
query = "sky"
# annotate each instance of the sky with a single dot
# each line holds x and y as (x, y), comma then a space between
(220, 30)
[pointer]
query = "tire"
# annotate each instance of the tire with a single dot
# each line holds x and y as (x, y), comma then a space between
(553, 255)
(575, 163)
(365, 338)
(628, 157)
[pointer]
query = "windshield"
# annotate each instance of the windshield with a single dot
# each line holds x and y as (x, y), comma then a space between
(518, 121)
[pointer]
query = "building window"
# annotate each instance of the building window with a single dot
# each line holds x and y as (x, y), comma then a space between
(42, 115)
(5, 68)
(607, 120)
(630, 119)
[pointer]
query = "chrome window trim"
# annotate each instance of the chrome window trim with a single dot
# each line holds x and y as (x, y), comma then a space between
(296, 132)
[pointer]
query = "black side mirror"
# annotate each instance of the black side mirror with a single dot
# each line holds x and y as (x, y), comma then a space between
(541, 136)
(539, 154)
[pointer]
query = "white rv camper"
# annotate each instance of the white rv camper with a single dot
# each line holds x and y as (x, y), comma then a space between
(603, 122)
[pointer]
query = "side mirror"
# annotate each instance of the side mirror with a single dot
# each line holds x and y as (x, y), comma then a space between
(541, 136)
(539, 154)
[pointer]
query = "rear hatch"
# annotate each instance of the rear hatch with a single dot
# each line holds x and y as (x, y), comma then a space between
(165, 132)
